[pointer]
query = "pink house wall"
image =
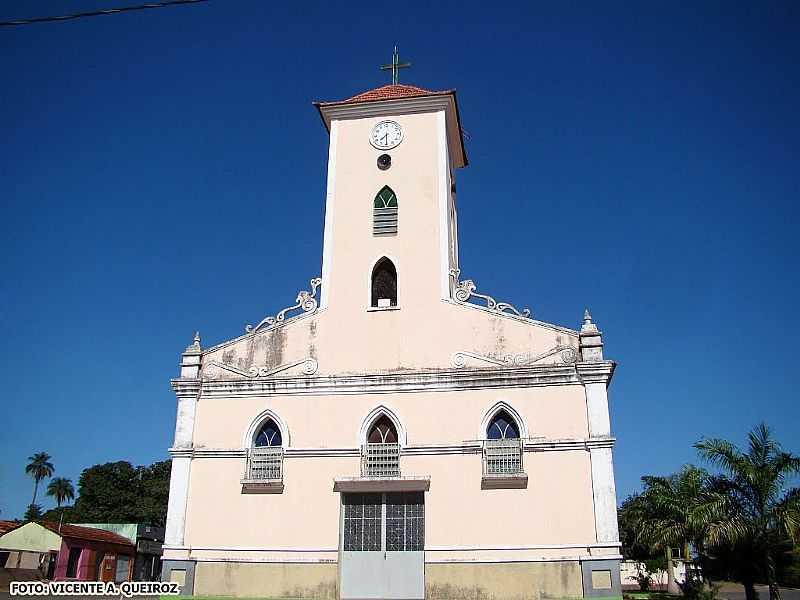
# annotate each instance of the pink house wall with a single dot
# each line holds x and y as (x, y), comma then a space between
(84, 562)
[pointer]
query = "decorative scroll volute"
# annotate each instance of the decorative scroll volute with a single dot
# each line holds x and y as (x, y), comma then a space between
(566, 354)
(465, 290)
(308, 366)
(305, 301)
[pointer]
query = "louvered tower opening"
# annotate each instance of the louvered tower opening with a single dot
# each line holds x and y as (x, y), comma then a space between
(384, 218)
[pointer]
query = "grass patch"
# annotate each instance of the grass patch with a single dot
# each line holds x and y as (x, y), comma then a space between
(650, 596)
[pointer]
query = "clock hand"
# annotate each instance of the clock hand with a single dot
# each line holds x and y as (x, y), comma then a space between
(385, 138)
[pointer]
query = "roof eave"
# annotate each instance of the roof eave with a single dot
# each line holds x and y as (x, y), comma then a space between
(394, 103)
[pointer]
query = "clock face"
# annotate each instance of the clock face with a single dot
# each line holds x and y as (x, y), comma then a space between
(386, 135)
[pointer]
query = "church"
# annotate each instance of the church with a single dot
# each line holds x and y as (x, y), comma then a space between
(397, 432)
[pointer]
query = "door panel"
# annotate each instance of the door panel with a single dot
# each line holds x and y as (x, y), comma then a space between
(405, 543)
(382, 546)
(91, 566)
(404, 575)
(363, 575)
(123, 567)
(107, 568)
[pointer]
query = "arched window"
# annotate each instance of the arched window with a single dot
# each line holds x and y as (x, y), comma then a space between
(382, 431)
(264, 470)
(384, 284)
(380, 456)
(384, 212)
(268, 435)
(502, 427)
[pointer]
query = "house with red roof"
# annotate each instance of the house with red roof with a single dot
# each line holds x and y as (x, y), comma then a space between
(70, 552)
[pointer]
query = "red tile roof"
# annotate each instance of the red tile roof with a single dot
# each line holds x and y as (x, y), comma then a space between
(387, 92)
(6, 526)
(86, 533)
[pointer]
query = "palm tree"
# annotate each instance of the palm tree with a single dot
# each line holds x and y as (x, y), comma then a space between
(761, 513)
(673, 512)
(39, 468)
(61, 488)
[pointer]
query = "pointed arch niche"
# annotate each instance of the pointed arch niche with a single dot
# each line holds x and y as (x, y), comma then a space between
(383, 284)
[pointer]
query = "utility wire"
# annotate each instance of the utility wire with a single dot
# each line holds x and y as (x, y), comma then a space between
(98, 13)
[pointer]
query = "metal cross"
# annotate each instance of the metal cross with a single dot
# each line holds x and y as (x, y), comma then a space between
(395, 66)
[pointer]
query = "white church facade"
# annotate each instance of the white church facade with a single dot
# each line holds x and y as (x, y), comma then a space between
(396, 433)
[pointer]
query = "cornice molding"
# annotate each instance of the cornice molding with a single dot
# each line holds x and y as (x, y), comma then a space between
(185, 388)
(596, 372)
(385, 108)
(403, 106)
(445, 380)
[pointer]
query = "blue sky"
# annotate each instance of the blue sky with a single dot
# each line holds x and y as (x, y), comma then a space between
(164, 171)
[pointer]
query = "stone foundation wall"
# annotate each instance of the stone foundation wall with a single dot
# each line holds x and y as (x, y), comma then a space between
(266, 580)
(503, 581)
(443, 581)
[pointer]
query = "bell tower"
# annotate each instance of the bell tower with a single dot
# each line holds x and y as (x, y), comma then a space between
(390, 240)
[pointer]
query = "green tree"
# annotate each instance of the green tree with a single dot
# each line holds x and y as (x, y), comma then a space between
(61, 489)
(33, 512)
(107, 493)
(65, 514)
(674, 511)
(121, 493)
(39, 467)
(759, 514)
(154, 493)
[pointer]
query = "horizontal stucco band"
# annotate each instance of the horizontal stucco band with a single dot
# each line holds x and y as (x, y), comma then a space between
(534, 445)
(592, 545)
(295, 561)
(431, 557)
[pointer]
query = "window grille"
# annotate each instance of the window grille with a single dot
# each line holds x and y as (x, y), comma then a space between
(384, 213)
(264, 463)
(401, 515)
(362, 522)
(380, 460)
(502, 457)
(405, 522)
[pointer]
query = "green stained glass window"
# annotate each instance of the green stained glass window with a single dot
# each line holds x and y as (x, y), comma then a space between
(386, 198)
